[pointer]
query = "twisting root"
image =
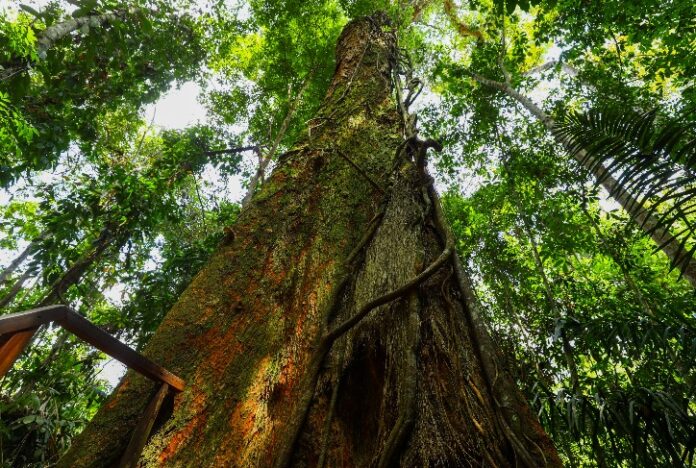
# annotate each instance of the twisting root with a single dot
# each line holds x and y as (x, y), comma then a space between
(342, 328)
(342, 271)
(399, 149)
(536, 446)
(407, 400)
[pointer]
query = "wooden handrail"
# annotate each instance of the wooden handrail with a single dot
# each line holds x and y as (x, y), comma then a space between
(17, 329)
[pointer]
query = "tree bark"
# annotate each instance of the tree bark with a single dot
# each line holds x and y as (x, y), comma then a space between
(662, 237)
(336, 323)
(53, 34)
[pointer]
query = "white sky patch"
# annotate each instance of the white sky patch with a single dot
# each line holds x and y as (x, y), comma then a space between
(607, 203)
(13, 5)
(179, 107)
(112, 371)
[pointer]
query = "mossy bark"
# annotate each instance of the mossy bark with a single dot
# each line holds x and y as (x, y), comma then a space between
(408, 385)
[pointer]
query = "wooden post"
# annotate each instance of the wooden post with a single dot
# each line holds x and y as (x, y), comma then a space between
(141, 432)
(11, 346)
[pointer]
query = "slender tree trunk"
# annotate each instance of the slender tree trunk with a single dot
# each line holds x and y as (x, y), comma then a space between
(551, 300)
(662, 237)
(569, 70)
(55, 295)
(647, 309)
(56, 32)
(73, 274)
(15, 289)
(19, 260)
(550, 296)
(539, 265)
(336, 324)
(266, 157)
(12, 267)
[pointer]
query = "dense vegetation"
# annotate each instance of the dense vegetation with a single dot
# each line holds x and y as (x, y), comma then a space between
(548, 111)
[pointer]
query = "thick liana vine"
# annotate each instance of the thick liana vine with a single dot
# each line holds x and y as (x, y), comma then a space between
(331, 334)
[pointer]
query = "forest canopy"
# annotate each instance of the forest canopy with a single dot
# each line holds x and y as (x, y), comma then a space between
(566, 172)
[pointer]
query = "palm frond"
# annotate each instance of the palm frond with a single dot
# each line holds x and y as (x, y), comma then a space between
(652, 158)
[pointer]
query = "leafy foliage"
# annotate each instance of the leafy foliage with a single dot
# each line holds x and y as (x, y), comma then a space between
(600, 341)
(121, 58)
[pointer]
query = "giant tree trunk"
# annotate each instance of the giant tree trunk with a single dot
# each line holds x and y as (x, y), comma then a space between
(272, 379)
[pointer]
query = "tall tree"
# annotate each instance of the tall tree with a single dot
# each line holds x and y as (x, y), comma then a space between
(334, 325)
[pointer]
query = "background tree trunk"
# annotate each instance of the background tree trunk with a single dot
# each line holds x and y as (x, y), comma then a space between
(74, 273)
(21, 258)
(15, 289)
(662, 237)
(346, 217)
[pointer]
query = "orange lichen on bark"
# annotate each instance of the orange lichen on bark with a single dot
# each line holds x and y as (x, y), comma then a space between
(249, 424)
(119, 391)
(198, 419)
(221, 348)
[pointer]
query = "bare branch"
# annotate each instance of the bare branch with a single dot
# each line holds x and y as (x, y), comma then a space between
(568, 69)
(239, 149)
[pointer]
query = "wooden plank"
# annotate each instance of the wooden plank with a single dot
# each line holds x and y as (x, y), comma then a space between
(10, 323)
(12, 347)
(101, 340)
(75, 323)
(5, 338)
(141, 433)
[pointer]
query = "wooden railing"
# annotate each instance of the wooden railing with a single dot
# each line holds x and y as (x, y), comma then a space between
(17, 330)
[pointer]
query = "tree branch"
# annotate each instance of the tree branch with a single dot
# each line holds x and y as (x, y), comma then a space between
(462, 28)
(568, 69)
(53, 34)
(239, 149)
(265, 159)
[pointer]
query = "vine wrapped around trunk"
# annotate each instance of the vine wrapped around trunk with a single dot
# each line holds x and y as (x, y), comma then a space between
(334, 323)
